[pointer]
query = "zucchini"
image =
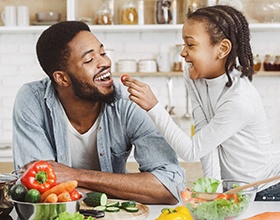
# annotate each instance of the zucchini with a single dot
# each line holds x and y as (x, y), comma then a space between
(112, 209)
(131, 209)
(99, 208)
(95, 199)
(128, 204)
(113, 204)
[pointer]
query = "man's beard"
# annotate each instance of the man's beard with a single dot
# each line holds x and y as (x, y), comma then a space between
(87, 92)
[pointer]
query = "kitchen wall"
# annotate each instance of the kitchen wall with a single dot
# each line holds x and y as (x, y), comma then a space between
(18, 65)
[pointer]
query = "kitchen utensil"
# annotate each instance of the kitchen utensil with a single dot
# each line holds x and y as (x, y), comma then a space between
(257, 183)
(170, 95)
(187, 113)
(6, 182)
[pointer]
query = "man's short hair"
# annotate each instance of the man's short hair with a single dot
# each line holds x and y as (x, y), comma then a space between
(52, 46)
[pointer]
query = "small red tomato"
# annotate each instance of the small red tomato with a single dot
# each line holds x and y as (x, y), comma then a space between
(123, 77)
(75, 195)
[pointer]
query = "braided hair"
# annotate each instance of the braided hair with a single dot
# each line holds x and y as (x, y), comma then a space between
(222, 21)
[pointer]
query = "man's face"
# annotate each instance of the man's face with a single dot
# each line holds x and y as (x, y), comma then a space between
(89, 69)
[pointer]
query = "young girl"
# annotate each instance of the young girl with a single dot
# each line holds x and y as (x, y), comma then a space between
(232, 138)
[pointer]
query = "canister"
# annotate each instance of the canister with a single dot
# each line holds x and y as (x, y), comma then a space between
(147, 66)
(127, 65)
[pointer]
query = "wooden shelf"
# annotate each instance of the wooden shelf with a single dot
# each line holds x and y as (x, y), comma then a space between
(180, 74)
(152, 74)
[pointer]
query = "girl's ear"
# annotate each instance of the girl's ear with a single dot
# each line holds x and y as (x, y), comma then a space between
(224, 48)
(61, 78)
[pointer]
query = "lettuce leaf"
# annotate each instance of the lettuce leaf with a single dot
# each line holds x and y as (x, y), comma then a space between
(207, 185)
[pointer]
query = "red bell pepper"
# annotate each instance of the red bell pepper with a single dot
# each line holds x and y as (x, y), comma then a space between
(40, 175)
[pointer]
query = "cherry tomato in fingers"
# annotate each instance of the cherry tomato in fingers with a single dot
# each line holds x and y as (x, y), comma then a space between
(75, 195)
(123, 77)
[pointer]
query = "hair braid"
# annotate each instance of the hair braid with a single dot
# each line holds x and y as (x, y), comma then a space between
(226, 22)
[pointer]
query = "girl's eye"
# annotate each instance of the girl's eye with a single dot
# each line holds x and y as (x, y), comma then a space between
(189, 45)
(103, 54)
(88, 61)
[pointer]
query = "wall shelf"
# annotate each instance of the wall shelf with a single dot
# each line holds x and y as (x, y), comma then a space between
(180, 74)
(255, 27)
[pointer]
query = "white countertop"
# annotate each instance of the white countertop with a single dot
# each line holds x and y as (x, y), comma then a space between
(256, 208)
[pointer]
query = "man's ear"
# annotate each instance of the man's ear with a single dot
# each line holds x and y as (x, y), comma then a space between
(61, 78)
(224, 48)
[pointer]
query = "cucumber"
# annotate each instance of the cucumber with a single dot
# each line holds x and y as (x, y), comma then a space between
(131, 209)
(99, 208)
(113, 204)
(112, 209)
(128, 204)
(95, 199)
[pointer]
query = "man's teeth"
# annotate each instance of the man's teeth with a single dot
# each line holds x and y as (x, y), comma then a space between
(103, 76)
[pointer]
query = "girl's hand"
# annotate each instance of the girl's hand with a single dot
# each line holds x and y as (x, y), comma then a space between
(140, 93)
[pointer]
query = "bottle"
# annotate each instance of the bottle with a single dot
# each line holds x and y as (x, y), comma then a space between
(276, 63)
(103, 14)
(141, 13)
(129, 14)
(111, 6)
(268, 63)
(174, 11)
(178, 61)
(163, 13)
(257, 63)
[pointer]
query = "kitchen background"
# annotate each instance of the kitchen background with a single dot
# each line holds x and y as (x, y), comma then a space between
(146, 40)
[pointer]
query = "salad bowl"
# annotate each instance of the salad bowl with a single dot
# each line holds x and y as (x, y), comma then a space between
(206, 198)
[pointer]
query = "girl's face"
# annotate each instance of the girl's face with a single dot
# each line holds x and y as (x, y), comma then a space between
(200, 55)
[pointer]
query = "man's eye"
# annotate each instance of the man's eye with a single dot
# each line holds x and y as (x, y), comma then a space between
(190, 45)
(88, 61)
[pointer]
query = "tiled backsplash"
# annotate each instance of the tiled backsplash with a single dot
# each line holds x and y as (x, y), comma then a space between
(18, 64)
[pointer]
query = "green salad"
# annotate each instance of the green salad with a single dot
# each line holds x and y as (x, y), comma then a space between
(225, 205)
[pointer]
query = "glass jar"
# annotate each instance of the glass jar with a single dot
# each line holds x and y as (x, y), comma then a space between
(268, 63)
(178, 61)
(193, 5)
(129, 13)
(276, 63)
(163, 14)
(257, 63)
(103, 14)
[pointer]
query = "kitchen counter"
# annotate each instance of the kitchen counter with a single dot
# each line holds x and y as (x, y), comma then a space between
(256, 208)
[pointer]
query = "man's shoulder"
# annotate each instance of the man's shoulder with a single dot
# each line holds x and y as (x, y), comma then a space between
(36, 85)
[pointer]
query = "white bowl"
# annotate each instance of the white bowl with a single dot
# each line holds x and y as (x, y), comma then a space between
(48, 16)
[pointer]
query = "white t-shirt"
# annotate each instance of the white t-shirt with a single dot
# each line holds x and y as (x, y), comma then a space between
(83, 147)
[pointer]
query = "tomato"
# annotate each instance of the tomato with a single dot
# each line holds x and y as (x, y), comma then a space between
(75, 195)
(123, 77)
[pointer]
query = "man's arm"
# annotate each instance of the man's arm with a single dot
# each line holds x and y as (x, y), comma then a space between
(142, 187)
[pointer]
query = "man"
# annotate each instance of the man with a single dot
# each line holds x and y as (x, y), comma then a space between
(82, 123)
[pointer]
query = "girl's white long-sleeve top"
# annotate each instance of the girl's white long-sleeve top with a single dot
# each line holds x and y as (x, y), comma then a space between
(232, 137)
